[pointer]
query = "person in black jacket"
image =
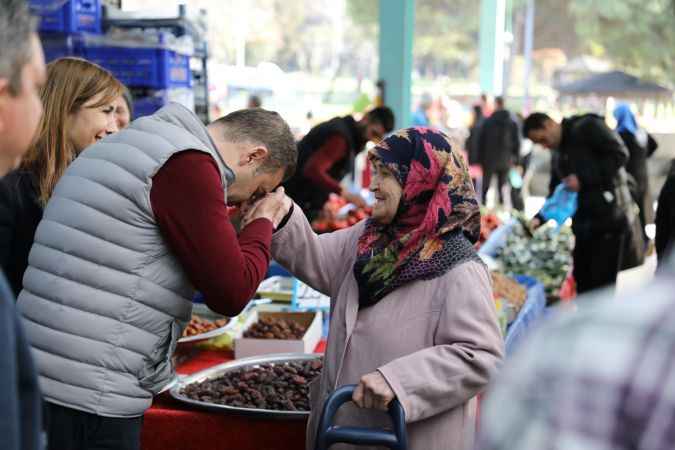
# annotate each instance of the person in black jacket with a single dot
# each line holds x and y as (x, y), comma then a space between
(641, 145)
(589, 157)
(326, 155)
(471, 143)
(22, 73)
(498, 148)
(665, 218)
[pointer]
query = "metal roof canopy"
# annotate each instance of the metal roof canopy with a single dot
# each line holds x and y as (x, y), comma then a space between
(614, 83)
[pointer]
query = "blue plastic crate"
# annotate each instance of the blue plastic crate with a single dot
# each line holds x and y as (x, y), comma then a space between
(148, 101)
(146, 106)
(58, 46)
(157, 68)
(73, 16)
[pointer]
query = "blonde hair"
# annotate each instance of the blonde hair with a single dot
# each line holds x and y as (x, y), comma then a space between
(71, 82)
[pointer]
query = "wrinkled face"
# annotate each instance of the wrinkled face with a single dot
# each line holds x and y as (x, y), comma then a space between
(387, 191)
(20, 114)
(548, 136)
(122, 114)
(90, 124)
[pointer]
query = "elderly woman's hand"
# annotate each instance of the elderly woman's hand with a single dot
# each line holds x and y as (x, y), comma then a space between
(273, 206)
(374, 392)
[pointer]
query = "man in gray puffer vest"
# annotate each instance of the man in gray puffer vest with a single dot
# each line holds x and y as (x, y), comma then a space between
(135, 225)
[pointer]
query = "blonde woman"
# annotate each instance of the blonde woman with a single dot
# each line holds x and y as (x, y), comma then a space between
(78, 100)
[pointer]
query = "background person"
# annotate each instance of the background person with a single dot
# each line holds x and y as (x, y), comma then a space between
(590, 156)
(124, 109)
(665, 218)
(326, 155)
(641, 145)
(254, 101)
(498, 148)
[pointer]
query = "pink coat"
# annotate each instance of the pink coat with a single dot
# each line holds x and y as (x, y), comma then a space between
(436, 342)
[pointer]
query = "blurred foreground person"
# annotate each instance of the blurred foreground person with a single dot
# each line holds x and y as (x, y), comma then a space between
(600, 379)
(22, 74)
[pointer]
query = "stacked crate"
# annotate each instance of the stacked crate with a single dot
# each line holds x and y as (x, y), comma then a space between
(194, 65)
(152, 69)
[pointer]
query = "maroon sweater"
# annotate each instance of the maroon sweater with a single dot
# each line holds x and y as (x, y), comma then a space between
(189, 206)
(318, 166)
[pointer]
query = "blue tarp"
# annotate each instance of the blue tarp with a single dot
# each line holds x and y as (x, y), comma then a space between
(531, 313)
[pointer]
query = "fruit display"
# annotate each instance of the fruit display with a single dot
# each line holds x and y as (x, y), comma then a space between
(275, 328)
(507, 288)
(199, 325)
(272, 386)
(331, 219)
(545, 254)
(488, 223)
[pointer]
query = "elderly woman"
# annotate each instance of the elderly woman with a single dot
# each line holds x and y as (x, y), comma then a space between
(412, 314)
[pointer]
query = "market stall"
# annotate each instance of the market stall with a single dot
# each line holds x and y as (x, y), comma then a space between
(170, 423)
(189, 412)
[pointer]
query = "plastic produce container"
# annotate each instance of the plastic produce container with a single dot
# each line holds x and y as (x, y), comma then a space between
(152, 67)
(72, 16)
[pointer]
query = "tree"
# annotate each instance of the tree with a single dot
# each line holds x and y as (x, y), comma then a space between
(637, 35)
(446, 32)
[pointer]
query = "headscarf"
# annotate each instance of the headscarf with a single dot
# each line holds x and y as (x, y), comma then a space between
(625, 120)
(437, 221)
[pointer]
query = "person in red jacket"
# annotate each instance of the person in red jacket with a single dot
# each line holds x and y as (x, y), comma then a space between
(326, 155)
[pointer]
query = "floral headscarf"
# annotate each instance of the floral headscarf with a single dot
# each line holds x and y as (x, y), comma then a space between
(437, 222)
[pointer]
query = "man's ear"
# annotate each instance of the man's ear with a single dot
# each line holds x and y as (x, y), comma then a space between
(255, 154)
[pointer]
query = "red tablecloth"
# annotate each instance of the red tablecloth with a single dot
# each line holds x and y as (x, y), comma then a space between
(172, 425)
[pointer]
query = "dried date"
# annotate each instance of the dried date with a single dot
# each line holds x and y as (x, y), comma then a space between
(275, 328)
(279, 387)
(199, 325)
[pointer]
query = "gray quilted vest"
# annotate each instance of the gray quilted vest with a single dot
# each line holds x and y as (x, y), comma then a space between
(104, 299)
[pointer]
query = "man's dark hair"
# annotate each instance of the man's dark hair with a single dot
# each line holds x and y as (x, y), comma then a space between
(16, 27)
(499, 102)
(259, 126)
(382, 115)
(535, 121)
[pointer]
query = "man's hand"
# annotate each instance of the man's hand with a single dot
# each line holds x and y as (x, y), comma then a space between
(374, 392)
(572, 183)
(274, 207)
(355, 199)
